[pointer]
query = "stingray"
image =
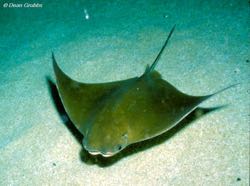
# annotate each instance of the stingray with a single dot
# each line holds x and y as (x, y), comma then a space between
(113, 115)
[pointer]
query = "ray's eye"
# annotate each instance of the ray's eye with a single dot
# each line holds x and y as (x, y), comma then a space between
(119, 147)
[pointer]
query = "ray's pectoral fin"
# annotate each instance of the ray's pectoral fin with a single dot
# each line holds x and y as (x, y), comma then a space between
(169, 106)
(192, 102)
(81, 99)
(189, 103)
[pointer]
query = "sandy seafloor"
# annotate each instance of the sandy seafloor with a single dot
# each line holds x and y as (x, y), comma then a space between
(209, 50)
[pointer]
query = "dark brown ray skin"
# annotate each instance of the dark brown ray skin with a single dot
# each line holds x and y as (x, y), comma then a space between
(80, 99)
(114, 115)
(139, 108)
(143, 110)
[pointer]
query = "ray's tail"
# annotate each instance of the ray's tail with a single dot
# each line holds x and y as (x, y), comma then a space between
(152, 67)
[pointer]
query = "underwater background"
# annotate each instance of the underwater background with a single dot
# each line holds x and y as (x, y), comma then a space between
(101, 41)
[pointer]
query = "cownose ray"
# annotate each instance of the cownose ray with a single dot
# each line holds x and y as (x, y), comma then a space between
(113, 115)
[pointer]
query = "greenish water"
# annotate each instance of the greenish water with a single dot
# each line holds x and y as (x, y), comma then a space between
(99, 41)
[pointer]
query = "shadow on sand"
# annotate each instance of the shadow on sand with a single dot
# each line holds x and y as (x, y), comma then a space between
(131, 149)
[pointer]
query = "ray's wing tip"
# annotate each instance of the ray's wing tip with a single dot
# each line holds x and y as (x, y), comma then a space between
(54, 63)
(53, 57)
(220, 91)
(206, 97)
(226, 88)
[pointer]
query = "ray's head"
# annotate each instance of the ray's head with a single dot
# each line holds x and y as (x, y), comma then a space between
(105, 141)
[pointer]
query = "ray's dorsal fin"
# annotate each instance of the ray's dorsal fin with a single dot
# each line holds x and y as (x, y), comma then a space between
(152, 67)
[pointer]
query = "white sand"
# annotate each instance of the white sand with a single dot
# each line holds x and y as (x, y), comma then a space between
(207, 52)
